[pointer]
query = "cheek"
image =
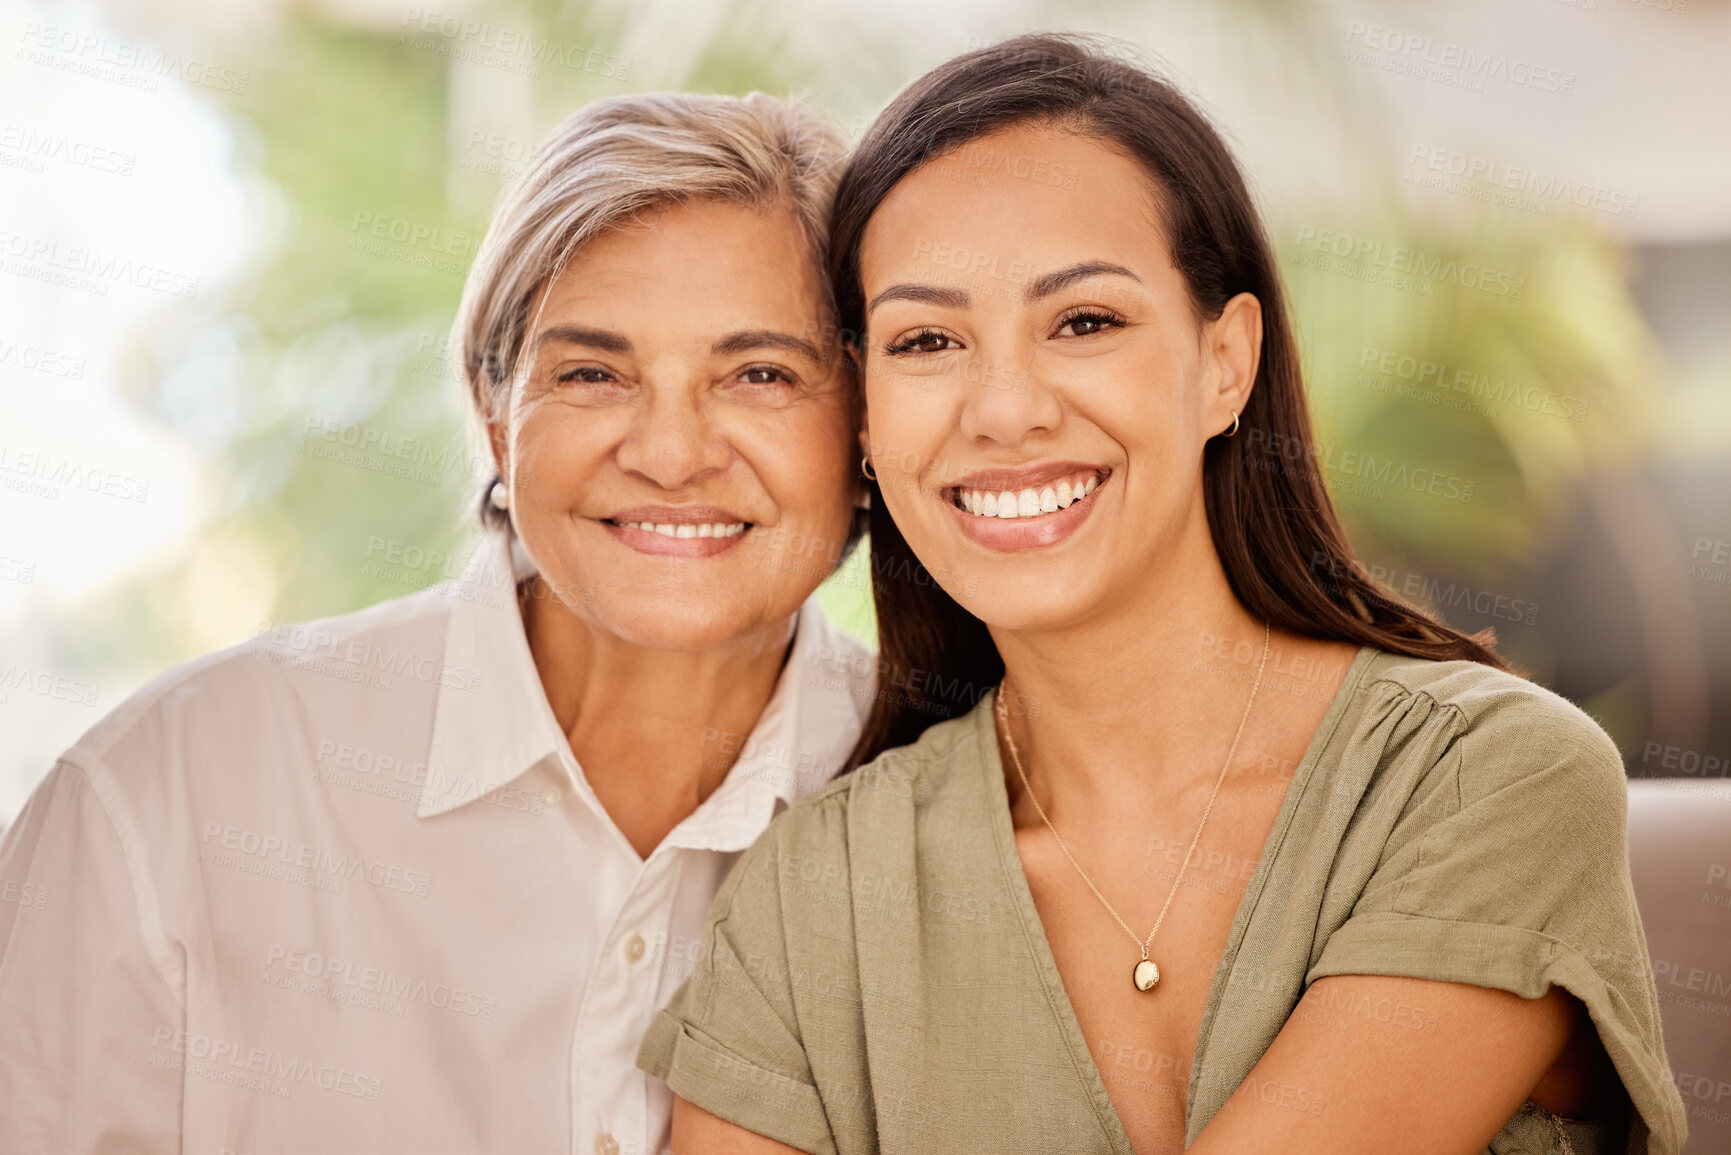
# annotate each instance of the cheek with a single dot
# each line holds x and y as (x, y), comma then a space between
(1148, 400)
(908, 423)
(553, 446)
(805, 459)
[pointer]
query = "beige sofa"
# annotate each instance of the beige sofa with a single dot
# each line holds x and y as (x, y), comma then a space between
(1680, 854)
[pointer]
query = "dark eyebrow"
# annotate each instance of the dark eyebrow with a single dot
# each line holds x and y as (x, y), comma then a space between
(928, 294)
(1052, 282)
(749, 339)
(603, 339)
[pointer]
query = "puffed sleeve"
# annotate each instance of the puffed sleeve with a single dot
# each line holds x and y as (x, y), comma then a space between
(1509, 870)
(82, 993)
(729, 1038)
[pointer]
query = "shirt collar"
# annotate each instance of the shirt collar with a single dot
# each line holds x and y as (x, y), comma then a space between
(493, 723)
(800, 742)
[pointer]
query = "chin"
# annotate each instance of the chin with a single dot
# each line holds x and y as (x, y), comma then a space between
(1018, 619)
(679, 623)
(1008, 609)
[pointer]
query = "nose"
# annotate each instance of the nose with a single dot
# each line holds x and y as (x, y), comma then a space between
(1005, 402)
(672, 444)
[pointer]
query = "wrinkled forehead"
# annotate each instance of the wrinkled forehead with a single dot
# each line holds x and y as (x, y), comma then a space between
(684, 273)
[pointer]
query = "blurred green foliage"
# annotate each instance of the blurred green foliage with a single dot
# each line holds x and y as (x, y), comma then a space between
(335, 340)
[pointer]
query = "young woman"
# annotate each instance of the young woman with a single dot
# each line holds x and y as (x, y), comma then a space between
(417, 878)
(1222, 849)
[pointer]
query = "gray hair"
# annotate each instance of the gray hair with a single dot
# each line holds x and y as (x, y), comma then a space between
(608, 162)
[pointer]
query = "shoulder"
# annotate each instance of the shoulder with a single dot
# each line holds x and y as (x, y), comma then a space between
(880, 804)
(280, 673)
(1483, 695)
(831, 643)
(1494, 727)
(833, 660)
(928, 772)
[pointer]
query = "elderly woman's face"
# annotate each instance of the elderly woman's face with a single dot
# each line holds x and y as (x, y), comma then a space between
(680, 447)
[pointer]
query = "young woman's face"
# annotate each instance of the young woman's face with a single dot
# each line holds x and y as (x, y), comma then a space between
(680, 446)
(1038, 386)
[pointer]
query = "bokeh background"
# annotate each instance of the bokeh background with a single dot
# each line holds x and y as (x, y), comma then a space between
(233, 236)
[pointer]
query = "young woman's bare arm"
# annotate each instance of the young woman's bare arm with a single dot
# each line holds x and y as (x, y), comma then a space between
(1339, 1083)
(697, 1132)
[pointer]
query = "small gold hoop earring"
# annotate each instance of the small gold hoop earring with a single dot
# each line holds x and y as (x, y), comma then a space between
(1233, 431)
(865, 468)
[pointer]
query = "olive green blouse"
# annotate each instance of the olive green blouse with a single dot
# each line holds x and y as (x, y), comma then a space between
(876, 978)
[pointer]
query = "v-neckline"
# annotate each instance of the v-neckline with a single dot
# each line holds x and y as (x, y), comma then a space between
(1022, 895)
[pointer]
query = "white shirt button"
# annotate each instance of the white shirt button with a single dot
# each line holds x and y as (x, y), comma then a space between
(606, 1144)
(634, 948)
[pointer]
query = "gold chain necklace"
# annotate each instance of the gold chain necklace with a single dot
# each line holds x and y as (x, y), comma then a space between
(1146, 973)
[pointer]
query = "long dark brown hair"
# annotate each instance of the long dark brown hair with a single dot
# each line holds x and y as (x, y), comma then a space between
(1269, 513)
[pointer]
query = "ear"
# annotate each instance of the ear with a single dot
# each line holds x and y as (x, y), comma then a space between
(1232, 342)
(498, 430)
(862, 423)
(862, 487)
(500, 445)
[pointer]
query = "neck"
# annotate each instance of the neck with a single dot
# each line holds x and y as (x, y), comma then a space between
(1103, 724)
(655, 730)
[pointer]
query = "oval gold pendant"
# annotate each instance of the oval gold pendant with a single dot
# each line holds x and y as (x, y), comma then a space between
(1145, 975)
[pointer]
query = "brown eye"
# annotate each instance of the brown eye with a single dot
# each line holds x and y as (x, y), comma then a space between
(585, 374)
(924, 341)
(589, 385)
(1086, 323)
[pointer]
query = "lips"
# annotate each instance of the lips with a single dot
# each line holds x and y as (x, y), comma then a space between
(1025, 508)
(677, 530)
(687, 529)
(1048, 495)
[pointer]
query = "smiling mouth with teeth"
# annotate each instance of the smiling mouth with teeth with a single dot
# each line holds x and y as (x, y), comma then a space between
(1035, 501)
(686, 529)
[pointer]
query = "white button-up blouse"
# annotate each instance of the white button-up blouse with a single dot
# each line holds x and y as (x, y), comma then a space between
(344, 888)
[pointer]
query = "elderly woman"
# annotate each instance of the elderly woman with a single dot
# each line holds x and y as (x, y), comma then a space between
(417, 878)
